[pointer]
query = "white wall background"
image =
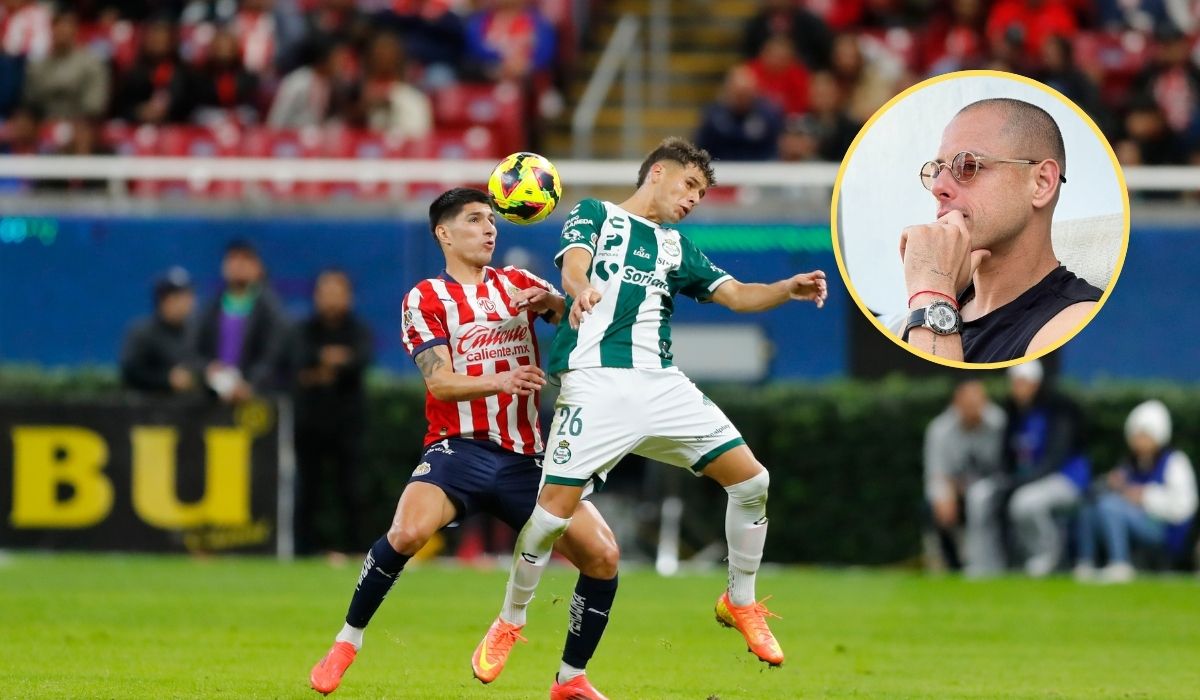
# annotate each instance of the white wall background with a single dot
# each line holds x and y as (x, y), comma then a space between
(881, 192)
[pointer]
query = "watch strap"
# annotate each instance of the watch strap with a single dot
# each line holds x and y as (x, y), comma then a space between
(916, 319)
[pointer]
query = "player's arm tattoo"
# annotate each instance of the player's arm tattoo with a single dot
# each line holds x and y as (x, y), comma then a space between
(429, 362)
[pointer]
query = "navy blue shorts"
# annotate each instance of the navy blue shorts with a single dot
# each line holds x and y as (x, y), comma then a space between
(480, 476)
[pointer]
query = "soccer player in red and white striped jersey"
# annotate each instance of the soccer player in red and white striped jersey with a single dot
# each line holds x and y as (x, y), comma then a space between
(469, 330)
(485, 332)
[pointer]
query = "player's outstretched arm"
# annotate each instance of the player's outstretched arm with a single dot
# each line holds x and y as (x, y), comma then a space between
(447, 385)
(749, 297)
(576, 282)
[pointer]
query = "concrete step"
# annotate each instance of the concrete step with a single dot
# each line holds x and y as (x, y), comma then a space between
(687, 11)
(706, 37)
(704, 60)
(705, 41)
(667, 118)
(610, 143)
(703, 63)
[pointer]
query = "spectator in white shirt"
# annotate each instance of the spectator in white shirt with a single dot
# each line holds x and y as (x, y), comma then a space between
(1149, 501)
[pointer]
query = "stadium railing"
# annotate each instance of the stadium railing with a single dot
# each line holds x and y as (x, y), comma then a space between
(123, 169)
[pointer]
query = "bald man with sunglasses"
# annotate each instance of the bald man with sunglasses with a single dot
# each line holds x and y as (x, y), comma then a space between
(983, 281)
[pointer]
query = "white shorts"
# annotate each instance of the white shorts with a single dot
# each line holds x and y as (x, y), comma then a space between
(603, 414)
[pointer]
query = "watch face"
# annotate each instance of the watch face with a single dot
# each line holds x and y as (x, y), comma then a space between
(941, 318)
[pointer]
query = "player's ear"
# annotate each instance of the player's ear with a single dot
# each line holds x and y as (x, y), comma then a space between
(1046, 182)
(442, 234)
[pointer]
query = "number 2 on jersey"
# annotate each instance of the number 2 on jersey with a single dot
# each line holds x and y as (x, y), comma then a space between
(569, 421)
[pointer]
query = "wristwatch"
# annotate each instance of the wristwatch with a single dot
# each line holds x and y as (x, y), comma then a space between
(940, 317)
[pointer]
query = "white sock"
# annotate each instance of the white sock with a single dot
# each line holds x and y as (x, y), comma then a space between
(746, 533)
(566, 672)
(354, 635)
(531, 553)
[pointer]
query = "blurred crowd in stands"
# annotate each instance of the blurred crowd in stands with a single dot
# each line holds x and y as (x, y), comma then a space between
(815, 70)
(429, 78)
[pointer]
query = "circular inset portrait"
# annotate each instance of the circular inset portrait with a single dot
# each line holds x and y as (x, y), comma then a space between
(980, 219)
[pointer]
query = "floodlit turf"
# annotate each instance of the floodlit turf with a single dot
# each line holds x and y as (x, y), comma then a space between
(159, 627)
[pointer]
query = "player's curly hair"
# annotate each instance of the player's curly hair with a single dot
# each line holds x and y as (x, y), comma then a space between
(682, 151)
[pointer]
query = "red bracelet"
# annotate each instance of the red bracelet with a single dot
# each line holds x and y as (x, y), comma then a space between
(947, 297)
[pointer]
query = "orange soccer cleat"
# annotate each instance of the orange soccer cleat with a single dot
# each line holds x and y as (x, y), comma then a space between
(577, 688)
(751, 621)
(492, 652)
(327, 674)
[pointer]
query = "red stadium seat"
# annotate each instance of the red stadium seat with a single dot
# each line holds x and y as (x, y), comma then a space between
(371, 147)
(304, 143)
(222, 141)
(340, 142)
(474, 142)
(145, 143)
(462, 144)
(118, 135)
(498, 107)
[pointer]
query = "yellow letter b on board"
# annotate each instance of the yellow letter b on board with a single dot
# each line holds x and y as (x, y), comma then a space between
(45, 457)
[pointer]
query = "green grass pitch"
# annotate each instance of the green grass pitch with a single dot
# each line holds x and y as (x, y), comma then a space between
(80, 626)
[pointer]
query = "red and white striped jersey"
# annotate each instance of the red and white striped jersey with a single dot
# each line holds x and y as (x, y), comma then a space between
(256, 33)
(26, 32)
(485, 334)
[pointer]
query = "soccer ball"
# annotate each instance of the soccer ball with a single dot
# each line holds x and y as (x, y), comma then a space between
(524, 188)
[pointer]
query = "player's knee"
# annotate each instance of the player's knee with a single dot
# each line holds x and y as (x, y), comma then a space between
(603, 560)
(752, 492)
(407, 539)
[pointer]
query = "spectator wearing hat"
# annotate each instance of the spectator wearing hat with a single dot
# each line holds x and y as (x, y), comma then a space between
(1148, 502)
(157, 357)
(242, 332)
(1043, 455)
(1044, 475)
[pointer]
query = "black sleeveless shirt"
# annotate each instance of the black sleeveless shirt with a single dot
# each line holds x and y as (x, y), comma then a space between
(1004, 334)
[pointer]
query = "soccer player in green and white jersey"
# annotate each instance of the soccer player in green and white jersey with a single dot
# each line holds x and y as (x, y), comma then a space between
(622, 266)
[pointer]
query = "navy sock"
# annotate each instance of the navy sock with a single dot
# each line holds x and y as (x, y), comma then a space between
(380, 570)
(588, 617)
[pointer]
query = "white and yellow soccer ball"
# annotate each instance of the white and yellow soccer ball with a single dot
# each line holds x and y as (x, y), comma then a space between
(525, 188)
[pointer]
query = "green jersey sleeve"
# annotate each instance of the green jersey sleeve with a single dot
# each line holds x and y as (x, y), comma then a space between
(700, 276)
(581, 229)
